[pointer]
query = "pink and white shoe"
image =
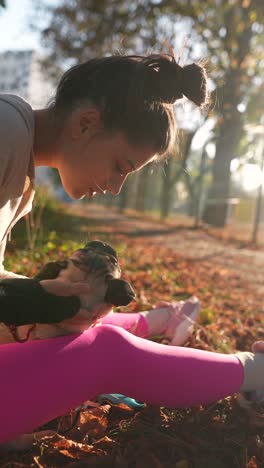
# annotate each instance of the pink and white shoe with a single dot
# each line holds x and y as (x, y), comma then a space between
(180, 324)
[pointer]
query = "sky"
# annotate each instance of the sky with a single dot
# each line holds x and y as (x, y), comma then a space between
(15, 32)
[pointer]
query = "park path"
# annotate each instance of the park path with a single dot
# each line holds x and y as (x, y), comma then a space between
(192, 244)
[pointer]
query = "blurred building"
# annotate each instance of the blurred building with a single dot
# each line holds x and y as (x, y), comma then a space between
(20, 74)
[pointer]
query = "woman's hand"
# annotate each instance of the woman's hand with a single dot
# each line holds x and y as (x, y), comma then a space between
(61, 287)
(25, 301)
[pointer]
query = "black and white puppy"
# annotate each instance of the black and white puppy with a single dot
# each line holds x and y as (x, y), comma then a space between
(27, 310)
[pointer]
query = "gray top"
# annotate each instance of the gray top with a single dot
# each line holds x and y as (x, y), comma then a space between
(16, 166)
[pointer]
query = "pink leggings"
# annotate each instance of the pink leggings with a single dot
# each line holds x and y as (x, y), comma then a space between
(41, 380)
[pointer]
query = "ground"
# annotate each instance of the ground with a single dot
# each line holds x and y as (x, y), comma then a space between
(163, 262)
(194, 244)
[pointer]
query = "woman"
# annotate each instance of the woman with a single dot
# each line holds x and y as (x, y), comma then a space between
(110, 117)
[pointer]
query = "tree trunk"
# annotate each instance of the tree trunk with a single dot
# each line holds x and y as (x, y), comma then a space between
(108, 200)
(191, 190)
(123, 197)
(199, 191)
(217, 204)
(170, 179)
(165, 200)
(231, 122)
(166, 190)
(142, 189)
(215, 212)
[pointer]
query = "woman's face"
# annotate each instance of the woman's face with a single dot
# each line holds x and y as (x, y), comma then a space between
(99, 163)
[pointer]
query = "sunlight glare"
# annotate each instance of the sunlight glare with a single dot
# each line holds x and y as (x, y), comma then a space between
(251, 177)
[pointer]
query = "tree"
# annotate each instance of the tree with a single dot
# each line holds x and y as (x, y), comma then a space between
(235, 86)
(142, 188)
(227, 32)
(195, 185)
(125, 198)
(230, 33)
(77, 30)
(174, 170)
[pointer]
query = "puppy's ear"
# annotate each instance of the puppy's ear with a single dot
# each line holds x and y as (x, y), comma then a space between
(51, 270)
(119, 292)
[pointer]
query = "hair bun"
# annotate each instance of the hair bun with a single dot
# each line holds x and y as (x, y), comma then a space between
(194, 84)
(166, 81)
(162, 78)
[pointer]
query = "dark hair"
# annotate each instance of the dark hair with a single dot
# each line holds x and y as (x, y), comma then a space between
(135, 94)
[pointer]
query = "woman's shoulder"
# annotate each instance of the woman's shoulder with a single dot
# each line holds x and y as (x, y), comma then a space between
(15, 113)
(16, 139)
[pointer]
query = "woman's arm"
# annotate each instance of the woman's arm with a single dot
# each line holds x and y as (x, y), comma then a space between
(25, 301)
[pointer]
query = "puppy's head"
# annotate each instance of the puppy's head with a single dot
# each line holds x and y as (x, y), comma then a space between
(97, 265)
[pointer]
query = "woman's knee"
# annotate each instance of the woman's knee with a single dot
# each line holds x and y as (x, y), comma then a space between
(111, 334)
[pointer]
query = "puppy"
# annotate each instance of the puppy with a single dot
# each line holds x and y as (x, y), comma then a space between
(95, 267)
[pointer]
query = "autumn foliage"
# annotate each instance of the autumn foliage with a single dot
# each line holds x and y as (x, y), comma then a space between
(220, 435)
